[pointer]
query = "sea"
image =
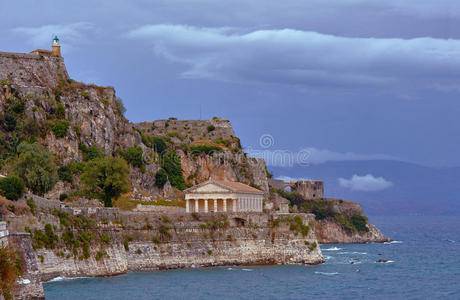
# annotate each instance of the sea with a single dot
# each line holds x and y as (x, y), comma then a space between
(422, 262)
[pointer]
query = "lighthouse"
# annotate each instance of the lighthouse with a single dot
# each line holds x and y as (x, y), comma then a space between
(56, 48)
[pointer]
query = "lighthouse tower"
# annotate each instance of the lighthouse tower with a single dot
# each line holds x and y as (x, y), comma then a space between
(56, 49)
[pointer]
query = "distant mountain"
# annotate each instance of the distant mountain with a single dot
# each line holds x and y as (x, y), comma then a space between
(415, 189)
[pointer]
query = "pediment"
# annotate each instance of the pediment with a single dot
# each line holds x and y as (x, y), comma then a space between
(209, 188)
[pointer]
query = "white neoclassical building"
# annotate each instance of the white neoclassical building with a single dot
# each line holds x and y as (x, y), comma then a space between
(223, 196)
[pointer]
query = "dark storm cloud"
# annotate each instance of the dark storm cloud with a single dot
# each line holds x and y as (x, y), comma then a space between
(301, 57)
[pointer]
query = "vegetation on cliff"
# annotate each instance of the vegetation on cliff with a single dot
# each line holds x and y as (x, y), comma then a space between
(12, 187)
(10, 270)
(326, 209)
(106, 177)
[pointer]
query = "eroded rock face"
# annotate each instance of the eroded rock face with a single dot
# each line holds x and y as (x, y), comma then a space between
(240, 239)
(330, 232)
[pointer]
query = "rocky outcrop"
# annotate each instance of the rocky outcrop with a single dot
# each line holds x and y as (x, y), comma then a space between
(331, 232)
(30, 284)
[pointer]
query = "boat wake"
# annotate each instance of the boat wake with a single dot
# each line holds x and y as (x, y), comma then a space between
(327, 274)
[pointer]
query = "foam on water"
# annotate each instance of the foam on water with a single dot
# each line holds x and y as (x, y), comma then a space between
(326, 273)
(332, 249)
(393, 242)
(360, 253)
(59, 278)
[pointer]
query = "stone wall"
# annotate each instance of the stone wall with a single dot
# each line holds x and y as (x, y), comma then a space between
(309, 189)
(30, 70)
(247, 239)
(3, 234)
(160, 208)
(193, 130)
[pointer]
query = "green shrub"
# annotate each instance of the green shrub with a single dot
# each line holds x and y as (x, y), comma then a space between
(226, 143)
(12, 187)
(76, 168)
(172, 165)
(105, 238)
(161, 177)
(99, 255)
(17, 107)
(126, 245)
(65, 174)
(120, 106)
(211, 128)
(60, 128)
(63, 196)
(359, 222)
(89, 153)
(9, 122)
(30, 202)
(207, 149)
(36, 167)
(133, 156)
(60, 111)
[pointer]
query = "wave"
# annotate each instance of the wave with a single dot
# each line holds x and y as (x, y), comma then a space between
(393, 242)
(361, 253)
(59, 278)
(332, 249)
(326, 257)
(327, 274)
(247, 270)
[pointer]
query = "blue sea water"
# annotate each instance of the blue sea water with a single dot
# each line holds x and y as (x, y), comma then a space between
(424, 263)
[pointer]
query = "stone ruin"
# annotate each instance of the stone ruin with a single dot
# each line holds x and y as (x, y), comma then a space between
(309, 189)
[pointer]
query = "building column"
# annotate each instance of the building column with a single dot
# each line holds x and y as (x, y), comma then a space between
(234, 205)
(197, 208)
(187, 208)
(215, 205)
(206, 205)
(225, 205)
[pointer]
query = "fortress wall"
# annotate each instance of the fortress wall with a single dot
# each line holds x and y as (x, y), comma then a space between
(29, 70)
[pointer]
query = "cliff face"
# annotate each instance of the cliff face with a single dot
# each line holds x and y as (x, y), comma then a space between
(331, 232)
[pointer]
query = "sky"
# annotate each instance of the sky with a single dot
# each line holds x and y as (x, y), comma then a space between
(339, 79)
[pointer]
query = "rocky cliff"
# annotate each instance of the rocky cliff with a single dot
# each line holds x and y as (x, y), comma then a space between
(82, 241)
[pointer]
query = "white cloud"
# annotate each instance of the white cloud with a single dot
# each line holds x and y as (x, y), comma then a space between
(310, 155)
(302, 57)
(366, 183)
(71, 34)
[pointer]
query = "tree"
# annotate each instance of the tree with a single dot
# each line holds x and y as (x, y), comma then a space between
(171, 163)
(12, 187)
(108, 177)
(161, 177)
(36, 167)
(120, 106)
(133, 156)
(65, 174)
